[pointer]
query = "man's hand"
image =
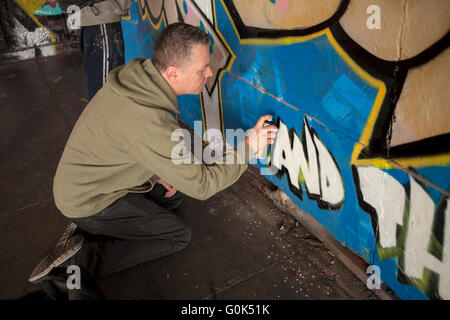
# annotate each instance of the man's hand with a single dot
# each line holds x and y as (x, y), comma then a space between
(170, 190)
(259, 137)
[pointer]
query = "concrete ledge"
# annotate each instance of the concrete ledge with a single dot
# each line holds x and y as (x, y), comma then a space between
(351, 260)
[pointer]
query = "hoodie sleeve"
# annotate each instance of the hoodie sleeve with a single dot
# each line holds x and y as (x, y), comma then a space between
(200, 181)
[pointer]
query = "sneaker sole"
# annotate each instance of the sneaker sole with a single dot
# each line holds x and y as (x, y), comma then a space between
(73, 245)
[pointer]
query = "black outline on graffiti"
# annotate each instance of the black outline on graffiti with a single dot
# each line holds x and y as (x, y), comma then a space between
(365, 206)
(393, 74)
(249, 32)
(230, 54)
(146, 8)
(283, 171)
(431, 289)
(219, 71)
(155, 21)
(323, 204)
(212, 25)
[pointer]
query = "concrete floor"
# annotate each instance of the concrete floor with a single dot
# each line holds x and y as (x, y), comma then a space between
(242, 246)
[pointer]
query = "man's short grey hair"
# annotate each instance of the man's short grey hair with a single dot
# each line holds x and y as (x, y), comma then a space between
(173, 45)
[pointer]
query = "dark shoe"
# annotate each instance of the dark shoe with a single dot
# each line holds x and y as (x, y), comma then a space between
(88, 289)
(54, 284)
(56, 287)
(36, 295)
(67, 247)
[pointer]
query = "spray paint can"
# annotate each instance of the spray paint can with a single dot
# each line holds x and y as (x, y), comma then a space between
(261, 154)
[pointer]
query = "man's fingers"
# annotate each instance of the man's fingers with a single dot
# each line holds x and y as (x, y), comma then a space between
(170, 193)
(167, 186)
(261, 120)
(270, 129)
(272, 135)
(164, 184)
(170, 190)
(269, 132)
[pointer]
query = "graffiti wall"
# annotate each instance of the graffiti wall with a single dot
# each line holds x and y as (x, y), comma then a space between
(360, 93)
(34, 28)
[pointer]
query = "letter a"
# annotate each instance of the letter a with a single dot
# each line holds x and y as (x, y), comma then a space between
(373, 281)
(374, 21)
(74, 281)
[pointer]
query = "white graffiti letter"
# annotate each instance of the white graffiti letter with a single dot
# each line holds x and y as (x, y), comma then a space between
(420, 224)
(331, 184)
(374, 21)
(283, 155)
(444, 277)
(387, 196)
(310, 169)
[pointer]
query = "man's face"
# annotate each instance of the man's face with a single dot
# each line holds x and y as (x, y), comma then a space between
(194, 75)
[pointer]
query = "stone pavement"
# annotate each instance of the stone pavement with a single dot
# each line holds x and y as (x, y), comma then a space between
(242, 246)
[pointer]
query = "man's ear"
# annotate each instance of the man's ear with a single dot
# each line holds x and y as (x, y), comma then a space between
(173, 73)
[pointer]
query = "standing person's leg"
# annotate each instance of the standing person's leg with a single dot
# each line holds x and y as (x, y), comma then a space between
(103, 50)
(115, 46)
(92, 47)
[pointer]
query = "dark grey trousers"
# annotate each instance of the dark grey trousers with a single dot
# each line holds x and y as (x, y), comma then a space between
(103, 49)
(134, 229)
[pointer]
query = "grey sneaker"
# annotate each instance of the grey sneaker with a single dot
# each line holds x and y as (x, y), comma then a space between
(66, 248)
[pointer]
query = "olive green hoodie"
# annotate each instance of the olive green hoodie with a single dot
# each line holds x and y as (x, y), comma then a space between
(122, 143)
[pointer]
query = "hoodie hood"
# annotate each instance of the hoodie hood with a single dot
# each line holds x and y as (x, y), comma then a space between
(140, 81)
